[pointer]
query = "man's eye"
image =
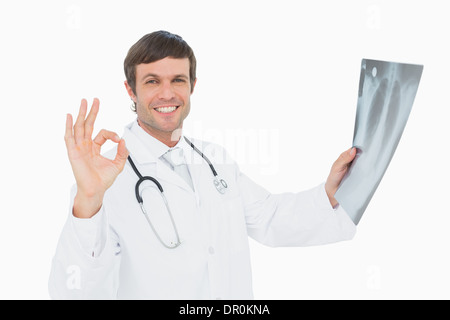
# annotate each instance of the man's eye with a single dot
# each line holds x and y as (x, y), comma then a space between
(179, 80)
(152, 81)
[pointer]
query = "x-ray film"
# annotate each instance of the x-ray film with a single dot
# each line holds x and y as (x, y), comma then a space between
(385, 98)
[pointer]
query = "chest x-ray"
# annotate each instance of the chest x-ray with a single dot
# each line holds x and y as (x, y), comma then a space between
(385, 98)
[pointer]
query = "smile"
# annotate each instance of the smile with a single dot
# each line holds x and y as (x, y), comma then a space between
(166, 109)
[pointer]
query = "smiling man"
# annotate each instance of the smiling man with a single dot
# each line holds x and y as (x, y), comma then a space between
(162, 98)
(143, 226)
(160, 90)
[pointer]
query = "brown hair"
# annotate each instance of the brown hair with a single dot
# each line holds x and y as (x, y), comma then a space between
(156, 46)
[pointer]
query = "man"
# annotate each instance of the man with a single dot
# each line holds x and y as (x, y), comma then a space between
(121, 239)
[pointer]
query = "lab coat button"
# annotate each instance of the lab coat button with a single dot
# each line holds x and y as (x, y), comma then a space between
(211, 250)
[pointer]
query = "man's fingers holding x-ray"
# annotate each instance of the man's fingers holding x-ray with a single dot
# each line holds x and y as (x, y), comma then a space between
(337, 173)
(345, 160)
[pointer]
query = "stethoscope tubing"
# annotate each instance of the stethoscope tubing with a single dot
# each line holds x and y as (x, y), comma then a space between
(220, 188)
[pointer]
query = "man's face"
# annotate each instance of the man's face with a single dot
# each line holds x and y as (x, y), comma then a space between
(162, 97)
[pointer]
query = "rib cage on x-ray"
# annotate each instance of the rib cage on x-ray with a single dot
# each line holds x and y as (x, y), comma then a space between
(385, 98)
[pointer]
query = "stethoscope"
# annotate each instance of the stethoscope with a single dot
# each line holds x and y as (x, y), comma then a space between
(219, 184)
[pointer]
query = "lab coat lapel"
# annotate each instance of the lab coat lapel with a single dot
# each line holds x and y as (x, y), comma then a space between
(143, 156)
(137, 150)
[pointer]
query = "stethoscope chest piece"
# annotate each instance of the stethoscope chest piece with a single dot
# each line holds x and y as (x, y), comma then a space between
(220, 185)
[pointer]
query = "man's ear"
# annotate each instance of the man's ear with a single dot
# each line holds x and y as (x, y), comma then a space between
(130, 91)
(193, 86)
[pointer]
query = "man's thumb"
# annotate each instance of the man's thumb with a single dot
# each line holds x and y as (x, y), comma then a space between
(122, 153)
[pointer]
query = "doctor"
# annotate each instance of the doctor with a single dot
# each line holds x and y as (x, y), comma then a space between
(194, 245)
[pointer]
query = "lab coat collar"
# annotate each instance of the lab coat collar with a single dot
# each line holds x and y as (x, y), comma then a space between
(145, 149)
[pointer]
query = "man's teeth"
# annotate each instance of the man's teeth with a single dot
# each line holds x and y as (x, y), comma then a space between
(166, 109)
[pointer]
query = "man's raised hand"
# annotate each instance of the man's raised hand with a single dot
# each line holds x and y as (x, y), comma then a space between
(94, 174)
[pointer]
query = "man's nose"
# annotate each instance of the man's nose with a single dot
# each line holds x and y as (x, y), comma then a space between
(166, 91)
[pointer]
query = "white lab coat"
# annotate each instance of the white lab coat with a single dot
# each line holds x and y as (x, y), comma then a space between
(115, 254)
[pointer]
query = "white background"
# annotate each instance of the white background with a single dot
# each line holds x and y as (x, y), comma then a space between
(282, 72)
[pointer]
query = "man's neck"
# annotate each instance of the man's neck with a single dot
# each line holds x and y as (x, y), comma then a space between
(170, 139)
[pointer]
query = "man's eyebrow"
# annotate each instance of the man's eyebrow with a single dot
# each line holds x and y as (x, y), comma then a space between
(181, 75)
(153, 75)
(150, 75)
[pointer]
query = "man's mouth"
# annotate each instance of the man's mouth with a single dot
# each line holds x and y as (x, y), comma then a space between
(166, 109)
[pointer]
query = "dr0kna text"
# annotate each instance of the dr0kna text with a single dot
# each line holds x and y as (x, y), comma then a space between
(245, 309)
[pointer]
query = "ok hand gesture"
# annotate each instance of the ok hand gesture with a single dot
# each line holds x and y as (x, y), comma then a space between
(94, 174)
